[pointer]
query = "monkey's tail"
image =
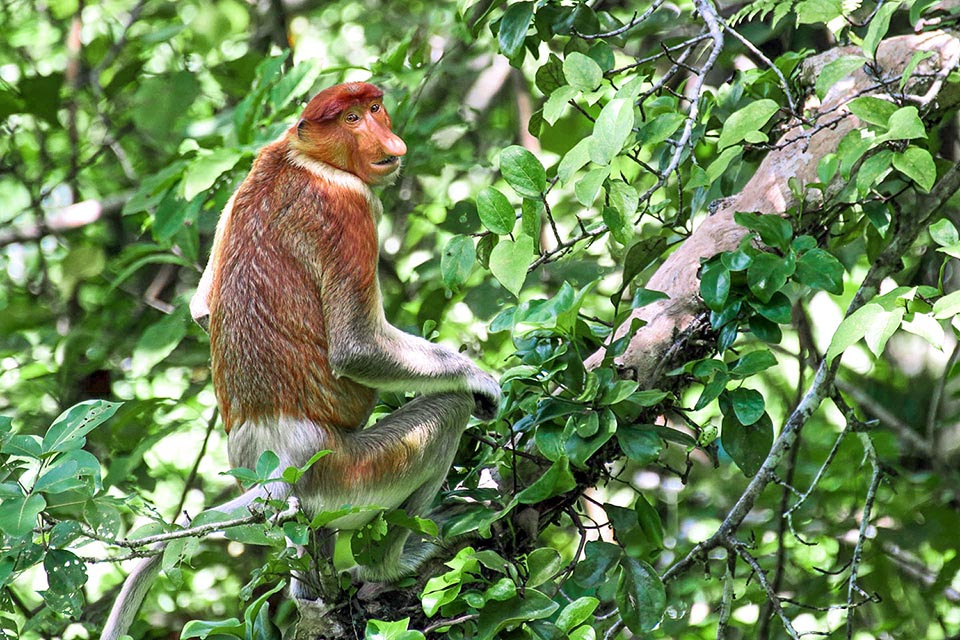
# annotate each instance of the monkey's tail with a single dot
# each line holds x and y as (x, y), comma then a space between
(134, 590)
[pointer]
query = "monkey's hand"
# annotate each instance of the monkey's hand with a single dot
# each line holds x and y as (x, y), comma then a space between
(486, 394)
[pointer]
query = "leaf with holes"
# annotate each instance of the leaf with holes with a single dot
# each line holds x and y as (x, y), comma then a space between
(68, 430)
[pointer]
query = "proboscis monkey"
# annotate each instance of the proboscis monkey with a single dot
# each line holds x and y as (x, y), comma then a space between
(300, 345)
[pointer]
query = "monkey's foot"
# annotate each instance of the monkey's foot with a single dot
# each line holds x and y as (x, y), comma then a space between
(316, 620)
(373, 590)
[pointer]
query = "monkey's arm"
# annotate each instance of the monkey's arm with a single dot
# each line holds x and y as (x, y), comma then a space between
(366, 348)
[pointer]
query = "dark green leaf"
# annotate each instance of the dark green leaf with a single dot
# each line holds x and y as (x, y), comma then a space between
(753, 362)
(497, 616)
(747, 404)
(641, 597)
(775, 231)
(768, 274)
(818, 269)
(555, 481)
(513, 27)
(714, 284)
(542, 565)
(747, 445)
(642, 446)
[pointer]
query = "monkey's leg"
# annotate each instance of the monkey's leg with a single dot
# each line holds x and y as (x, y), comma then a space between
(401, 461)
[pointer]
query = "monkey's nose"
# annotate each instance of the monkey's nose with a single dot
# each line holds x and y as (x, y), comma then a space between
(394, 146)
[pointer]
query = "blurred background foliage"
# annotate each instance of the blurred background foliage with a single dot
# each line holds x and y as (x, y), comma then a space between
(127, 125)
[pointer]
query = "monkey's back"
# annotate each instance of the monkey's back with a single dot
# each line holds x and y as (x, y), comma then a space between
(268, 336)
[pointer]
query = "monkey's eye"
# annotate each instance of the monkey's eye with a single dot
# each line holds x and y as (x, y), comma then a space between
(374, 108)
(352, 117)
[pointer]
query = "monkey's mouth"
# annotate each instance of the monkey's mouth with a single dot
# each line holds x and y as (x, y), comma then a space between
(386, 162)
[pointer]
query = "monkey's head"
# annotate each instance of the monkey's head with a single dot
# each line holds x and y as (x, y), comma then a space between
(347, 127)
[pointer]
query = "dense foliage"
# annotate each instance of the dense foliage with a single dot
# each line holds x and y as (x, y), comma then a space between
(560, 153)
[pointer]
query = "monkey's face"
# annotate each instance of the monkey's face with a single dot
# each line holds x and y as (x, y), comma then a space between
(376, 158)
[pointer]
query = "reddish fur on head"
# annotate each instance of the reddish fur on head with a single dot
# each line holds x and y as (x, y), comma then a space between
(347, 127)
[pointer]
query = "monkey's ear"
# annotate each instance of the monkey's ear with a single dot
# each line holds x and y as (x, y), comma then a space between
(300, 126)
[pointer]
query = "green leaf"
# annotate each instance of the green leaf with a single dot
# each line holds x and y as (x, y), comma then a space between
(611, 130)
(267, 463)
(719, 166)
(641, 597)
(542, 565)
(549, 77)
(599, 558)
(513, 27)
(381, 630)
(200, 174)
(871, 109)
(947, 307)
(18, 516)
(295, 82)
(555, 481)
(878, 333)
(523, 171)
(924, 325)
(41, 96)
(660, 128)
(746, 121)
(642, 445)
(495, 211)
(213, 629)
(944, 233)
(753, 362)
(820, 270)
(509, 261)
(747, 445)
(917, 164)
(827, 167)
(66, 575)
(456, 263)
(68, 430)
(714, 284)
(835, 71)
(582, 72)
(873, 170)
(774, 230)
(649, 521)
(557, 103)
(818, 11)
(747, 404)
(624, 198)
(62, 476)
(904, 124)
(768, 274)
(588, 187)
(870, 319)
(574, 159)
(497, 616)
(879, 24)
(576, 613)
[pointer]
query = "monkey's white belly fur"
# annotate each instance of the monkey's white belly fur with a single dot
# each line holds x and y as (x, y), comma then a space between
(295, 441)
